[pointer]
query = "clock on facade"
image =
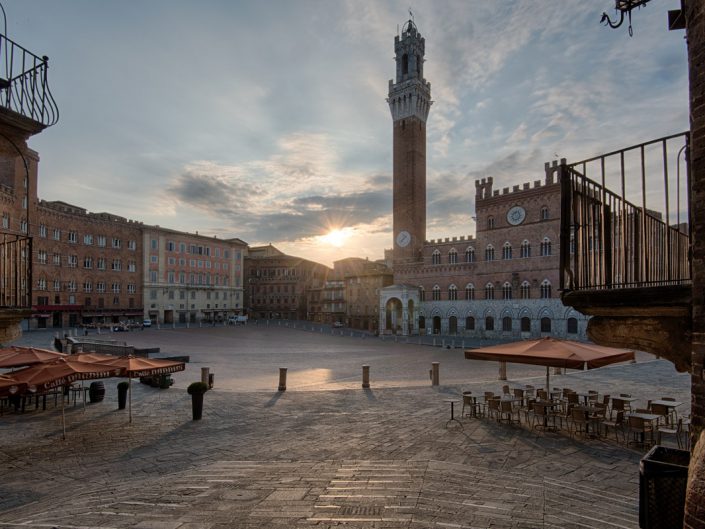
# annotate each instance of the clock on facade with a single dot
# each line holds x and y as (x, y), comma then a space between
(403, 238)
(516, 215)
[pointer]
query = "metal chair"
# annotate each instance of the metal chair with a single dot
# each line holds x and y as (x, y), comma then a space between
(617, 424)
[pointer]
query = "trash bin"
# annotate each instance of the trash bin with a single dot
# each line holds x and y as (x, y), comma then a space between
(663, 479)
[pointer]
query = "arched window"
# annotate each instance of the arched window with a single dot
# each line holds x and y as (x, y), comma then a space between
(489, 253)
(436, 293)
(418, 65)
(572, 326)
(546, 246)
(422, 294)
(404, 64)
(507, 251)
(489, 323)
(490, 222)
(507, 324)
(452, 293)
(453, 256)
(545, 289)
(489, 291)
(544, 213)
(507, 290)
(525, 249)
(422, 322)
(525, 324)
(525, 290)
(436, 257)
(469, 291)
(469, 323)
(545, 324)
(470, 255)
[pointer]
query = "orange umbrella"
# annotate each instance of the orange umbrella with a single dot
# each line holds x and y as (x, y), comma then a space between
(7, 383)
(26, 356)
(552, 352)
(61, 372)
(136, 366)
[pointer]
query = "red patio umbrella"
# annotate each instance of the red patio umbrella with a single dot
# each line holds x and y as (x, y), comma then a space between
(9, 386)
(26, 356)
(61, 372)
(552, 352)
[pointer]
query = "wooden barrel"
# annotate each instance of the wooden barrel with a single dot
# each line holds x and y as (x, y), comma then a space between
(96, 392)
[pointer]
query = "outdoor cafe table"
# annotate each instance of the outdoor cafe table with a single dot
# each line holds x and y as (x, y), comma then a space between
(667, 403)
(650, 417)
(548, 404)
(586, 396)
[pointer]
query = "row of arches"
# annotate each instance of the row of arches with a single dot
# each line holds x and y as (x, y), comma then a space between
(545, 250)
(506, 324)
(506, 291)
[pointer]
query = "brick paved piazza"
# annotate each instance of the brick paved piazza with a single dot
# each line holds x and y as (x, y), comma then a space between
(325, 453)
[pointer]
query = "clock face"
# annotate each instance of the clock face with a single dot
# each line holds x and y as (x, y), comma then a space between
(516, 215)
(403, 238)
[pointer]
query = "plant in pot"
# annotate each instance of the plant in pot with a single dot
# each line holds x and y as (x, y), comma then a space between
(196, 390)
(122, 394)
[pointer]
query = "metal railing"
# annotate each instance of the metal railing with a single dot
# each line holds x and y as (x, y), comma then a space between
(610, 242)
(15, 271)
(23, 83)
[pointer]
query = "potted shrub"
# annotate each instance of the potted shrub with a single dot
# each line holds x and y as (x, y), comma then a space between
(122, 394)
(196, 390)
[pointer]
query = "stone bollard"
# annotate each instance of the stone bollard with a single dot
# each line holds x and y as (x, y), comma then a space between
(282, 379)
(443, 343)
(205, 371)
(365, 377)
(187, 324)
(173, 325)
(435, 373)
(434, 342)
(503, 370)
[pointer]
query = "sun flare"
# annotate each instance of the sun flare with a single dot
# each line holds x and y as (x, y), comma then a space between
(336, 237)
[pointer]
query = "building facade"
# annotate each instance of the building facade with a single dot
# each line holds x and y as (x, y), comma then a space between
(190, 278)
(86, 267)
(363, 280)
(501, 283)
(280, 286)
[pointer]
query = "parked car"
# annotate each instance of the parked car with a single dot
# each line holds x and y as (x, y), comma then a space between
(338, 324)
(146, 322)
(237, 320)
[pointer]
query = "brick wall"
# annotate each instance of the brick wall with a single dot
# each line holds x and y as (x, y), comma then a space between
(695, 32)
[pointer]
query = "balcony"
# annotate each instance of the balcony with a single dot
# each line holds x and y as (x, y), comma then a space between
(624, 256)
(25, 98)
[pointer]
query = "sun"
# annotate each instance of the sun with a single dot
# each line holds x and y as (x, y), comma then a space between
(336, 237)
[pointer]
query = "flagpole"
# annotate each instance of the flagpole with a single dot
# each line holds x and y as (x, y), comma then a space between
(548, 386)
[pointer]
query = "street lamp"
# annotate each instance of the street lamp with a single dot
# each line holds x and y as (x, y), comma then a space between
(623, 6)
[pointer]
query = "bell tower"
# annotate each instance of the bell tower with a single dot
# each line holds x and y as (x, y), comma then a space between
(409, 101)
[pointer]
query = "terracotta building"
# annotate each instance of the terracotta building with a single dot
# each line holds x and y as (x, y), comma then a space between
(501, 283)
(86, 267)
(280, 286)
(191, 278)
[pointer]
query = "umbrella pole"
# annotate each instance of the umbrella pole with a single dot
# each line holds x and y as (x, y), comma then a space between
(63, 415)
(129, 392)
(548, 386)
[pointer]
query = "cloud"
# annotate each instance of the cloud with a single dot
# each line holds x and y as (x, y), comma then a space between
(299, 192)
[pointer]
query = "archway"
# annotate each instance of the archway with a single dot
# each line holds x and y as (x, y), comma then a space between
(394, 315)
(453, 325)
(436, 325)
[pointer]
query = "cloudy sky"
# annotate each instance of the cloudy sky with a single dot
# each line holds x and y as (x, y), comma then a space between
(267, 120)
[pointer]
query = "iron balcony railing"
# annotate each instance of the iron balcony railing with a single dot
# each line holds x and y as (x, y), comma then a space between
(15, 271)
(23, 83)
(636, 237)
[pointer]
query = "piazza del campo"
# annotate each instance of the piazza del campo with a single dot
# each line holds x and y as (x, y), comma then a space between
(545, 371)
